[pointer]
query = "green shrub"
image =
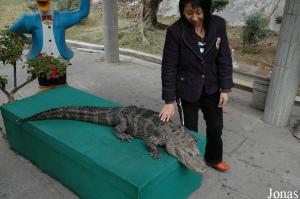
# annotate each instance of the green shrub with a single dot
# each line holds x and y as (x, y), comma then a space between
(219, 5)
(32, 6)
(69, 5)
(278, 19)
(62, 5)
(255, 30)
(65, 5)
(3, 81)
(11, 47)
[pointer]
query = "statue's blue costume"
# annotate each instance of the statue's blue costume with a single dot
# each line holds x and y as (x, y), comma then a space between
(33, 23)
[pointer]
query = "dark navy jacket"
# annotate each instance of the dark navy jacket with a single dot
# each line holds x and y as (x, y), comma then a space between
(185, 71)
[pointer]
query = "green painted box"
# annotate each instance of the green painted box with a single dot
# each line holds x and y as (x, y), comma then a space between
(87, 158)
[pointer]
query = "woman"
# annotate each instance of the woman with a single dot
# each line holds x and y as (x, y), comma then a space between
(197, 74)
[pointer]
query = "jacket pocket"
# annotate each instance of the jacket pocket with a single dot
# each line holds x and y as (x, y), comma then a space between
(182, 79)
(182, 83)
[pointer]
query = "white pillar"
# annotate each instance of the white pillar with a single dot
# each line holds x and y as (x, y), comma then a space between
(286, 69)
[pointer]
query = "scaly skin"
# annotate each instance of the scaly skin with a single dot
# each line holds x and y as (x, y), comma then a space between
(136, 122)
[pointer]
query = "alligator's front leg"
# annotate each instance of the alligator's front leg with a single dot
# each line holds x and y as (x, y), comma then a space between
(153, 149)
(119, 132)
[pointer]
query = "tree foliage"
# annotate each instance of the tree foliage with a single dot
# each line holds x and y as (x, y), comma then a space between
(219, 5)
(11, 48)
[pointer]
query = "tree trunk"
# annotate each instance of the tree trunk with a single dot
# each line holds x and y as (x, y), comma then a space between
(286, 69)
(150, 10)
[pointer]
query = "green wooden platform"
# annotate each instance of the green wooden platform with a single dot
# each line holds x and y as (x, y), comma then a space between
(87, 158)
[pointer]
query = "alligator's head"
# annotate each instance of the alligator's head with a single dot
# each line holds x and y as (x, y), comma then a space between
(185, 149)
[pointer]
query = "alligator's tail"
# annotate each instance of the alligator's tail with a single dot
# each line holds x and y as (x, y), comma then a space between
(102, 115)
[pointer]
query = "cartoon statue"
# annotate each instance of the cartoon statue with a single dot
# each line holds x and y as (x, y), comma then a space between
(47, 27)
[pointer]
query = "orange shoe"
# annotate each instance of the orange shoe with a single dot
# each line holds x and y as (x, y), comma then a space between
(222, 166)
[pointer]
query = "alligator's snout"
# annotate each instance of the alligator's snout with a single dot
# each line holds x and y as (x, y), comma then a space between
(189, 156)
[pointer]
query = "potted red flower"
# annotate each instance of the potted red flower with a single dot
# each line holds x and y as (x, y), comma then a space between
(48, 69)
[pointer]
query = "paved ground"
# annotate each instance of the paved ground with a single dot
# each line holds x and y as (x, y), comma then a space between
(262, 157)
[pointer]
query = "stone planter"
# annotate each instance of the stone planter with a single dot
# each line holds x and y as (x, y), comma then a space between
(260, 92)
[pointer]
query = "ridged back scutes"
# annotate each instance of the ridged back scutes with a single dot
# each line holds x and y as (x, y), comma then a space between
(83, 113)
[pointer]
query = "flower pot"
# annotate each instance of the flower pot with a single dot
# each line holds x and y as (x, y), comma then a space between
(43, 81)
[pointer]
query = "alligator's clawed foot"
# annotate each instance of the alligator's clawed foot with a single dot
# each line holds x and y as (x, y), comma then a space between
(126, 138)
(123, 137)
(155, 154)
(195, 138)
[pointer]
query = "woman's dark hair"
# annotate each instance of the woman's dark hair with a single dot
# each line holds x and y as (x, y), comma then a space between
(204, 4)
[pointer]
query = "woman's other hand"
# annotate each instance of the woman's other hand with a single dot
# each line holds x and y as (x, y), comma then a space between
(167, 111)
(223, 99)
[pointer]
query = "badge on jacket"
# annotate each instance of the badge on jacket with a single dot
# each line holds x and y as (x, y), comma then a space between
(218, 42)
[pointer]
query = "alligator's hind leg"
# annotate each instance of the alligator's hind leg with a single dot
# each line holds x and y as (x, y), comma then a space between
(119, 132)
(153, 149)
(194, 137)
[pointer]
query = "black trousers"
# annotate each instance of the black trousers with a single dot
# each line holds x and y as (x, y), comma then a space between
(213, 116)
